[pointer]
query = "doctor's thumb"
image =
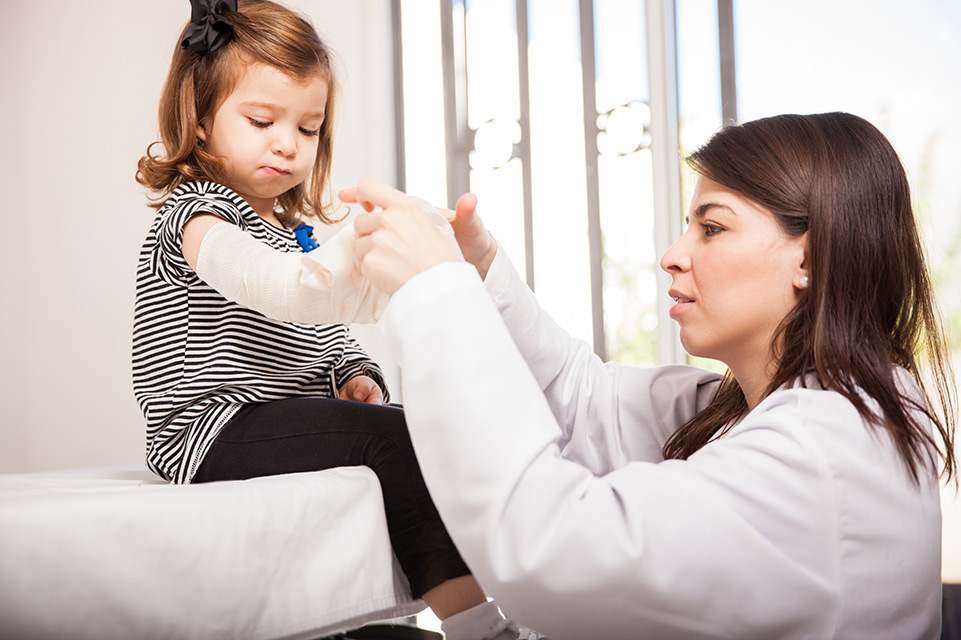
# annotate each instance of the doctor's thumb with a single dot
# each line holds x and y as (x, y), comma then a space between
(465, 208)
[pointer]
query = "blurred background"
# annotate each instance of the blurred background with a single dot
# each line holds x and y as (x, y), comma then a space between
(568, 118)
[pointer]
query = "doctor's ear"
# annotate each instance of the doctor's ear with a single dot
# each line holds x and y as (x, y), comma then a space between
(801, 278)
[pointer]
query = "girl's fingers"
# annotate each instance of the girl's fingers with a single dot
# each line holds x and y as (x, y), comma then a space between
(362, 390)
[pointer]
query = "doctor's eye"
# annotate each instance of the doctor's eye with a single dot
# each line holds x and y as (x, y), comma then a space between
(711, 229)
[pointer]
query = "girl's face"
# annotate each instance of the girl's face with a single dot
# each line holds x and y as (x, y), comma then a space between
(268, 130)
(735, 275)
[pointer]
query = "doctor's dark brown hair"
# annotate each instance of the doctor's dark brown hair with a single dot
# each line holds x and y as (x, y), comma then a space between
(869, 304)
(198, 83)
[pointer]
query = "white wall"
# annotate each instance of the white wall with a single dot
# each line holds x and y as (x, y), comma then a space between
(79, 85)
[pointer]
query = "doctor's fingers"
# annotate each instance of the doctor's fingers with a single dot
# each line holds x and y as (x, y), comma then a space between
(405, 219)
(397, 233)
(362, 246)
(380, 264)
(371, 194)
(381, 254)
(367, 223)
(472, 235)
(399, 246)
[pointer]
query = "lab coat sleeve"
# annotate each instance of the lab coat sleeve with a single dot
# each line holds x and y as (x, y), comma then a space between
(582, 390)
(726, 544)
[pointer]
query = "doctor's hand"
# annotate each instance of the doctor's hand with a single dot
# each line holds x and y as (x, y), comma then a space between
(361, 389)
(399, 242)
(475, 242)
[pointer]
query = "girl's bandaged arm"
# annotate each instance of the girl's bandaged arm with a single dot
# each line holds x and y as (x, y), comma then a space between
(313, 288)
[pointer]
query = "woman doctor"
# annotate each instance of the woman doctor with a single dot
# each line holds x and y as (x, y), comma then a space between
(794, 497)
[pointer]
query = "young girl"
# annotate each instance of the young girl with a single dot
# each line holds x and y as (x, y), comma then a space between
(795, 497)
(234, 374)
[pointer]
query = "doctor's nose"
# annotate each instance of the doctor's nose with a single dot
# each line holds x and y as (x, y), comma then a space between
(676, 259)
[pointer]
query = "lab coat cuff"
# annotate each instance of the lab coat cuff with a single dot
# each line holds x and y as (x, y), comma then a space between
(499, 277)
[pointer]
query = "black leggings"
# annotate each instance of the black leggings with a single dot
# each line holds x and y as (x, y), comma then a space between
(310, 434)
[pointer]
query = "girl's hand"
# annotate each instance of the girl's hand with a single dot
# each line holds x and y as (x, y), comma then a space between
(399, 242)
(362, 389)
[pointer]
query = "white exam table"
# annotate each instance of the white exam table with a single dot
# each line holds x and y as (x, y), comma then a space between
(115, 552)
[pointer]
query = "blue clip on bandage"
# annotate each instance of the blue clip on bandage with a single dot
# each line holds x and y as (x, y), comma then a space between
(302, 233)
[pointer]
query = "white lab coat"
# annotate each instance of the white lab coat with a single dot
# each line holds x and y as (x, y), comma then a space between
(545, 464)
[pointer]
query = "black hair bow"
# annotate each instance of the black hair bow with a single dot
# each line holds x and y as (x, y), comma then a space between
(209, 29)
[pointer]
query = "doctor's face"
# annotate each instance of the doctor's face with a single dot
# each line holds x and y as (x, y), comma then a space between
(735, 275)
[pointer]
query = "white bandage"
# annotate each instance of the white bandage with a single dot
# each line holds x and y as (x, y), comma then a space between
(313, 288)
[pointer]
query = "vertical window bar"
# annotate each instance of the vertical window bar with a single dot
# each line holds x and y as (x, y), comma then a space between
(398, 51)
(665, 149)
(524, 146)
(455, 104)
(595, 247)
(725, 41)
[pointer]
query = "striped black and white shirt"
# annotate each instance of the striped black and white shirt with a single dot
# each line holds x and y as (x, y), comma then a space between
(198, 358)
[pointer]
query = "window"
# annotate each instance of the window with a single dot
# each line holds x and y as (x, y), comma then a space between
(554, 119)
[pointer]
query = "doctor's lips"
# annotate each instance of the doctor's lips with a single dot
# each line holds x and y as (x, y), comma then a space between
(677, 296)
(681, 301)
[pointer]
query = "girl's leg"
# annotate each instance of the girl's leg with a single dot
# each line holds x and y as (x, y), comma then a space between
(310, 434)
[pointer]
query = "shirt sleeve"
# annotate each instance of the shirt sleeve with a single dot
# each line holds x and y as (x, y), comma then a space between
(732, 544)
(167, 259)
(582, 390)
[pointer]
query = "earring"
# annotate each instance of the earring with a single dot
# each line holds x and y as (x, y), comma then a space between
(803, 282)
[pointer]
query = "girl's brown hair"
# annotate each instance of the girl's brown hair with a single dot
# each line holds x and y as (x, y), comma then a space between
(869, 304)
(198, 82)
